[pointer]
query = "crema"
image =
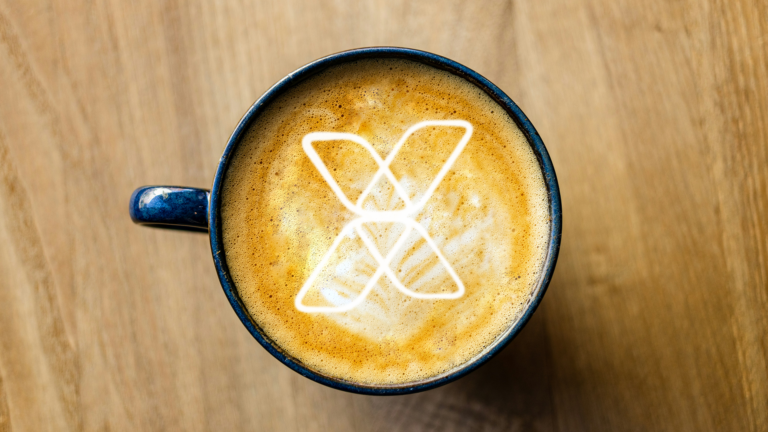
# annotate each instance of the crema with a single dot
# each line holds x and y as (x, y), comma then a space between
(488, 217)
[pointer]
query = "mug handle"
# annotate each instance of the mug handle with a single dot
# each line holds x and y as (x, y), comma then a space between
(170, 207)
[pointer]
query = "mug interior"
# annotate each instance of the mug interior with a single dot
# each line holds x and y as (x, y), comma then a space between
(438, 62)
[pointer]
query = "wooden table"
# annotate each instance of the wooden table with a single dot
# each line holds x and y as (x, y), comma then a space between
(656, 117)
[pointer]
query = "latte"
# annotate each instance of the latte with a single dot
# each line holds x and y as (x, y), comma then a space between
(488, 217)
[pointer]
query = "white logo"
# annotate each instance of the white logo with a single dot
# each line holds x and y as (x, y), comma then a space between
(404, 216)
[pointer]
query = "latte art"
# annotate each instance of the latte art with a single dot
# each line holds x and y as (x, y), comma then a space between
(283, 223)
(403, 217)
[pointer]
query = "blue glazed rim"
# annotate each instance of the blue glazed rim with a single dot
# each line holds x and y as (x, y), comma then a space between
(435, 61)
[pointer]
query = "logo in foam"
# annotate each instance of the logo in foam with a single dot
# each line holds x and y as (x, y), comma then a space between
(404, 216)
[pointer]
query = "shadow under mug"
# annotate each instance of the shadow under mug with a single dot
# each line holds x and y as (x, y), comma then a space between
(193, 209)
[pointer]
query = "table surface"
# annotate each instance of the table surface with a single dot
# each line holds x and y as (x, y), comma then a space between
(656, 117)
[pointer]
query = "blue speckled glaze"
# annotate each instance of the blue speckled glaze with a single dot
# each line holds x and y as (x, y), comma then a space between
(170, 207)
(440, 63)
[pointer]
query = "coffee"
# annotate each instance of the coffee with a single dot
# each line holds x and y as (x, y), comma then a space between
(488, 217)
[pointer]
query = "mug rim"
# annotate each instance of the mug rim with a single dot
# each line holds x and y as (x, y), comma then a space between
(439, 62)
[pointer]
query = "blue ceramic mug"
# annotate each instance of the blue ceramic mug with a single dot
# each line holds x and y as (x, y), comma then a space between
(195, 209)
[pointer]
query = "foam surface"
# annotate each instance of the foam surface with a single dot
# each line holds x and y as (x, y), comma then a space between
(489, 218)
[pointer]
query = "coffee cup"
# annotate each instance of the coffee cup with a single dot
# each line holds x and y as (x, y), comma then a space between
(383, 220)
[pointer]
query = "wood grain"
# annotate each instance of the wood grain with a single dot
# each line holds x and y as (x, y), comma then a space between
(656, 117)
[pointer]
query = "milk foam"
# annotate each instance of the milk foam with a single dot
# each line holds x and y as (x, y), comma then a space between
(489, 217)
(369, 217)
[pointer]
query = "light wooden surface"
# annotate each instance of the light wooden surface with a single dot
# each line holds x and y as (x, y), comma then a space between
(656, 117)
